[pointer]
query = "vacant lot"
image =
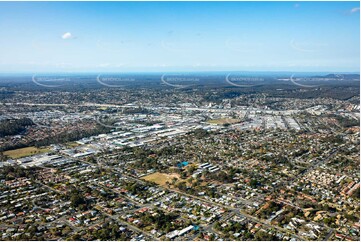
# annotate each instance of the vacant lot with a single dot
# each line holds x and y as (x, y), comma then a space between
(223, 121)
(160, 178)
(23, 152)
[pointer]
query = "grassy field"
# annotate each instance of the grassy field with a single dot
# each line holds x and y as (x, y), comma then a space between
(223, 121)
(72, 145)
(160, 178)
(23, 152)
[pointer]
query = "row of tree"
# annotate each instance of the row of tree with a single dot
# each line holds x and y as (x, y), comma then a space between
(14, 126)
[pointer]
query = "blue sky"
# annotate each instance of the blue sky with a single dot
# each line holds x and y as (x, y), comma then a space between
(179, 36)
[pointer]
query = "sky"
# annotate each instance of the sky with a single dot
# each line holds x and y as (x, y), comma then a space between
(179, 36)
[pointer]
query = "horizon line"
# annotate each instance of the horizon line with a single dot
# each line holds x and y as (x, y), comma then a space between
(163, 72)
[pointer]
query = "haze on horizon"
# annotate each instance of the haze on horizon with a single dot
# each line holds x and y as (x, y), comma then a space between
(179, 36)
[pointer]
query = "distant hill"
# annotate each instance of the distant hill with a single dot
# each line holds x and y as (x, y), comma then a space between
(340, 76)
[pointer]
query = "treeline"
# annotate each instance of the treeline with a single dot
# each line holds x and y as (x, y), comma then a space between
(58, 138)
(70, 136)
(14, 126)
(347, 122)
(138, 110)
(15, 171)
(340, 93)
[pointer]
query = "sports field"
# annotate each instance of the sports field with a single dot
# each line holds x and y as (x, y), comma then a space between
(223, 121)
(23, 152)
(160, 178)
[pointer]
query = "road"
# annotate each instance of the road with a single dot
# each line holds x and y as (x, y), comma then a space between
(223, 110)
(115, 218)
(329, 235)
(236, 211)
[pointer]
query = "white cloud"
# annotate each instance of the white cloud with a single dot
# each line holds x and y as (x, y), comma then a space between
(354, 10)
(67, 35)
